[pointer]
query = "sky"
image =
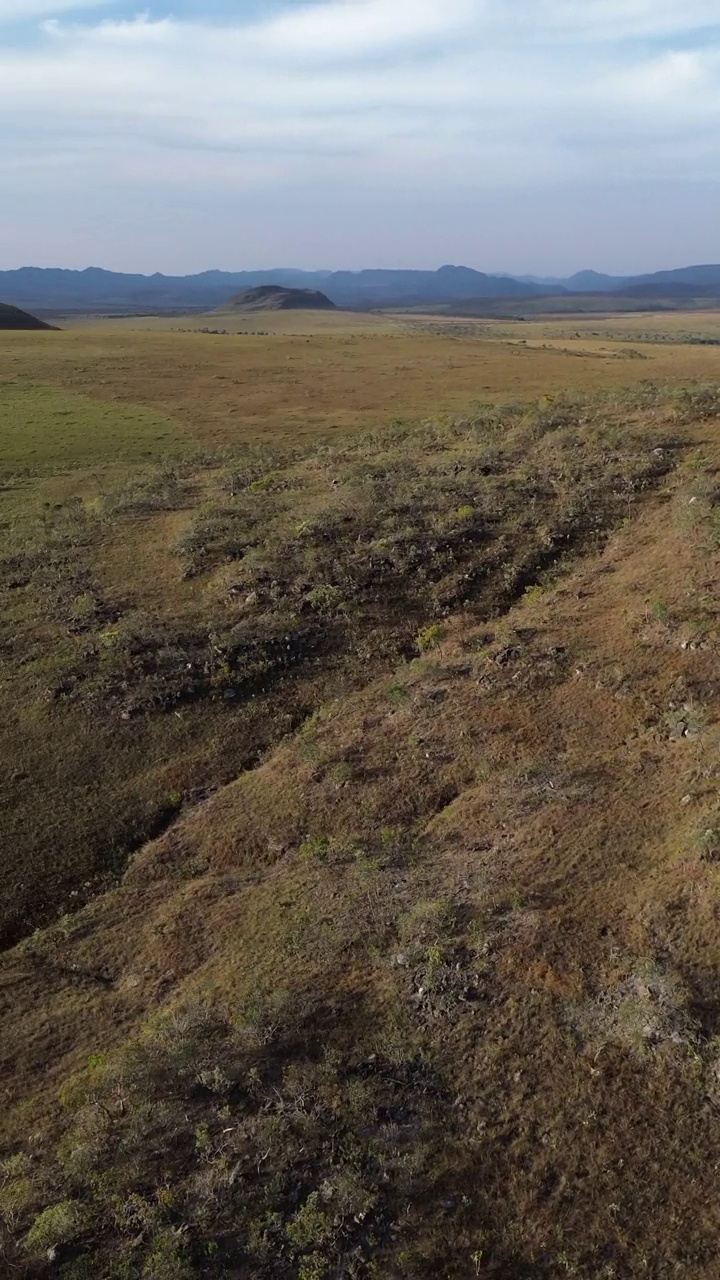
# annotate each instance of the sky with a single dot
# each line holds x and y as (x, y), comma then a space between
(527, 136)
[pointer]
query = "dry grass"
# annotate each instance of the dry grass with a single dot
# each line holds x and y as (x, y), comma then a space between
(287, 388)
(276, 581)
(418, 978)
(226, 321)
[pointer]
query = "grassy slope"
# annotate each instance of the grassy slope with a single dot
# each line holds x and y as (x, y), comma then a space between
(276, 581)
(430, 989)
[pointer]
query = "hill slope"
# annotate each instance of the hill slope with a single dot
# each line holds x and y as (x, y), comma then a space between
(14, 318)
(272, 297)
(430, 989)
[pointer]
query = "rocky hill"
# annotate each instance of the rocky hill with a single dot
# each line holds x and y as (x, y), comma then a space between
(272, 297)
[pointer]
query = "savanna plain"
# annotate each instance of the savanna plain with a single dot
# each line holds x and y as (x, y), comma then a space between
(360, 741)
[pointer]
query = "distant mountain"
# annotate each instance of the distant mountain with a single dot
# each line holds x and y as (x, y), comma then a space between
(594, 282)
(95, 291)
(701, 281)
(697, 277)
(417, 288)
(273, 297)
(14, 318)
(56, 291)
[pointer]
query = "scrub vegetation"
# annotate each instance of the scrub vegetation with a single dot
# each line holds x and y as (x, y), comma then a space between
(359, 812)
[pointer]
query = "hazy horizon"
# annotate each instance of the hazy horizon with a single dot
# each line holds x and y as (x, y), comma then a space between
(542, 137)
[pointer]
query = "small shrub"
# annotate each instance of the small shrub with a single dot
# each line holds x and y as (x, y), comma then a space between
(659, 610)
(397, 694)
(57, 1225)
(267, 483)
(325, 599)
(313, 1268)
(16, 1198)
(17, 1166)
(167, 1258)
(709, 842)
(312, 1225)
(83, 609)
(159, 490)
(315, 849)
(691, 404)
(341, 773)
(430, 637)
(428, 922)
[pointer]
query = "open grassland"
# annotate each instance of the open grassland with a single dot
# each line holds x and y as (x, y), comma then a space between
(675, 327)
(360, 825)
(631, 337)
(287, 387)
(227, 320)
(614, 332)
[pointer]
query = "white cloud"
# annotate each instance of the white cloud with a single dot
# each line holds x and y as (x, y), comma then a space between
(478, 95)
(617, 20)
(16, 10)
(358, 27)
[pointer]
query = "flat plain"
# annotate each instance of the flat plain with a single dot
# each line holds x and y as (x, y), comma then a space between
(314, 374)
(359, 719)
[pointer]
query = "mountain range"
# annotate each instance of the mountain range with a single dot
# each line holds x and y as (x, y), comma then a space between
(54, 291)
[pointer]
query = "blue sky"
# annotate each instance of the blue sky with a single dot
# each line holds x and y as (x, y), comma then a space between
(520, 135)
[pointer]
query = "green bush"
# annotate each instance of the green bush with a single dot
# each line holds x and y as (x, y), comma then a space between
(58, 1224)
(430, 637)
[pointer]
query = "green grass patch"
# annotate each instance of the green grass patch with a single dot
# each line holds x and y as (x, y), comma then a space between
(43, 430)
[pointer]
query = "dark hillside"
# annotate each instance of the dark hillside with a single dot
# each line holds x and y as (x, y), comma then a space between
(272, 297)
(14, 318)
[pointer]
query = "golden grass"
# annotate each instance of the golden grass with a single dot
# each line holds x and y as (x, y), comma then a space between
(287, 387)
(299, 323)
